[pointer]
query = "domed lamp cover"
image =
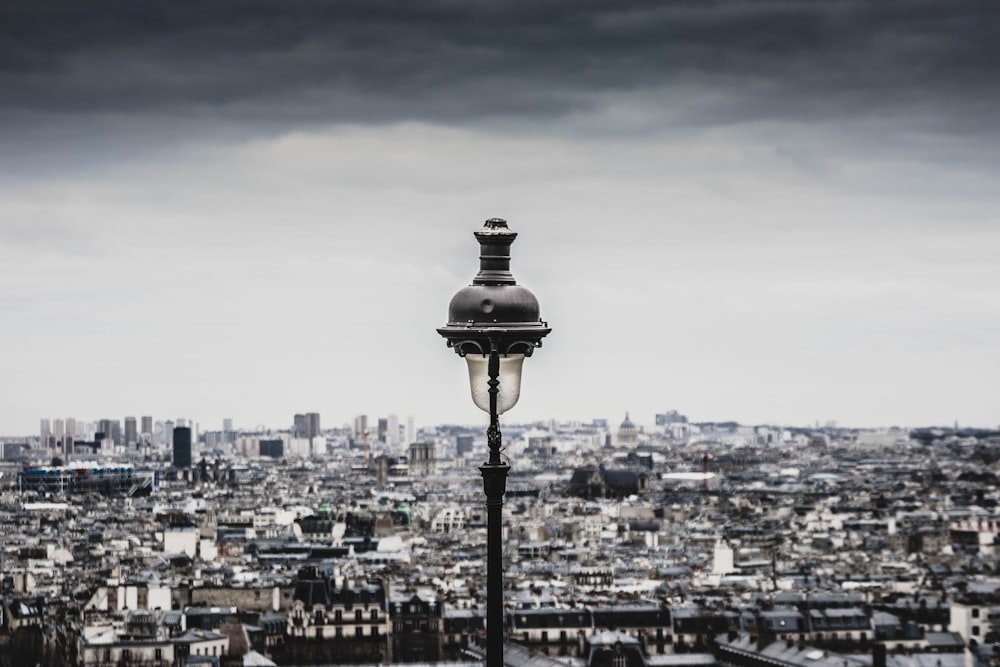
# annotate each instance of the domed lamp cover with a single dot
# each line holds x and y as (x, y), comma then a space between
(494, 316)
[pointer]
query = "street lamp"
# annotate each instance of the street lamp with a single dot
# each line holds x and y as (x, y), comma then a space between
(494, 323)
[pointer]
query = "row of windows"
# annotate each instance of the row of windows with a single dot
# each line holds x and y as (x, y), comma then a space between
(126, 654)
(563, 636)
(338, 616)
(358, 632)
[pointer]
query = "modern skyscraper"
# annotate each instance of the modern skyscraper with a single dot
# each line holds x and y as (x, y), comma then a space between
(69, 438)
(168, 433)
(112, 429)
(411, 430)
(147, 426)
(360, 426)
(131, 432)
(392, 432)
(45, 432)
(306, 425)
(182, 447)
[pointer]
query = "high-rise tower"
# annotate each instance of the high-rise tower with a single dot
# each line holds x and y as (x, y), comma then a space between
(182, 447)
(131, 432)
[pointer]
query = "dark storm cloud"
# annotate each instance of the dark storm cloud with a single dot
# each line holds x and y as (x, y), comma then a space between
(458, 61)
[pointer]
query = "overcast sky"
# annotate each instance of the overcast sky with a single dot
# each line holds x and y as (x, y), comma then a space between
(767, 211)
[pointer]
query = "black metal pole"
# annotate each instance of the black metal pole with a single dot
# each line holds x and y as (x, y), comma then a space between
(494, 474)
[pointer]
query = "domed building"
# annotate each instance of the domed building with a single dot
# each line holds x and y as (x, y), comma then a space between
(628, 433)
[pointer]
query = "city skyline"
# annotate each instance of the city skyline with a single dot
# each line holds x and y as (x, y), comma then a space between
(771, 213)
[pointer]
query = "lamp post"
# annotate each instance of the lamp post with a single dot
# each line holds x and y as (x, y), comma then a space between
(494, 323)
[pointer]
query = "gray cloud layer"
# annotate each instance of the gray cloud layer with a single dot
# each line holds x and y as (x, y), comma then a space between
(457, 61)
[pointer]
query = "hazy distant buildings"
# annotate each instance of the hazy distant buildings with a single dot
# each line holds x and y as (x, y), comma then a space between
(628, 433)
(392, 431)
(273, 448)
(306, 425)
(182, 447)
(360, 426)
(146, 429)
(421, 459)
(463, 444)
(670, 417)
(112, 430)
(131, 432)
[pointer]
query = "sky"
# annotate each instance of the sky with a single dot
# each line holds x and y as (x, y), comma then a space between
(775, 211)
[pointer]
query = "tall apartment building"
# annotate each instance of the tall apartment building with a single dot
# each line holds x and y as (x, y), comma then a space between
(360, 426)
(182, 447)
(146, 429)
(306, 425)
(392, 431)
(131, 432)
(112, 429)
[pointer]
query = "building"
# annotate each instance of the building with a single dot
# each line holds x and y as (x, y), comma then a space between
(592, 481)
(628, 433)
(112, 430)
(131, 432)
(361, 426)
(421, 459)
(416, 628)
(146, 429)
(331, 622)
(463, 444)
(272, 448)
(306, 425)
(45, 432)
(112, 480)
(182, 447)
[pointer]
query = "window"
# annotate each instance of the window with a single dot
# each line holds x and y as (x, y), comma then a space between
(357, 616)
(619, 661)
(338, 616)
(158, 654)
(975, 630)
(975, 612)
(126, 654)
(374, 615)
(545, 636)
(340, 632)
(359, 631)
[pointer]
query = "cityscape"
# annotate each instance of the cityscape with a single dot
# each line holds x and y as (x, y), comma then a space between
(764, 430)
(642, 540)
